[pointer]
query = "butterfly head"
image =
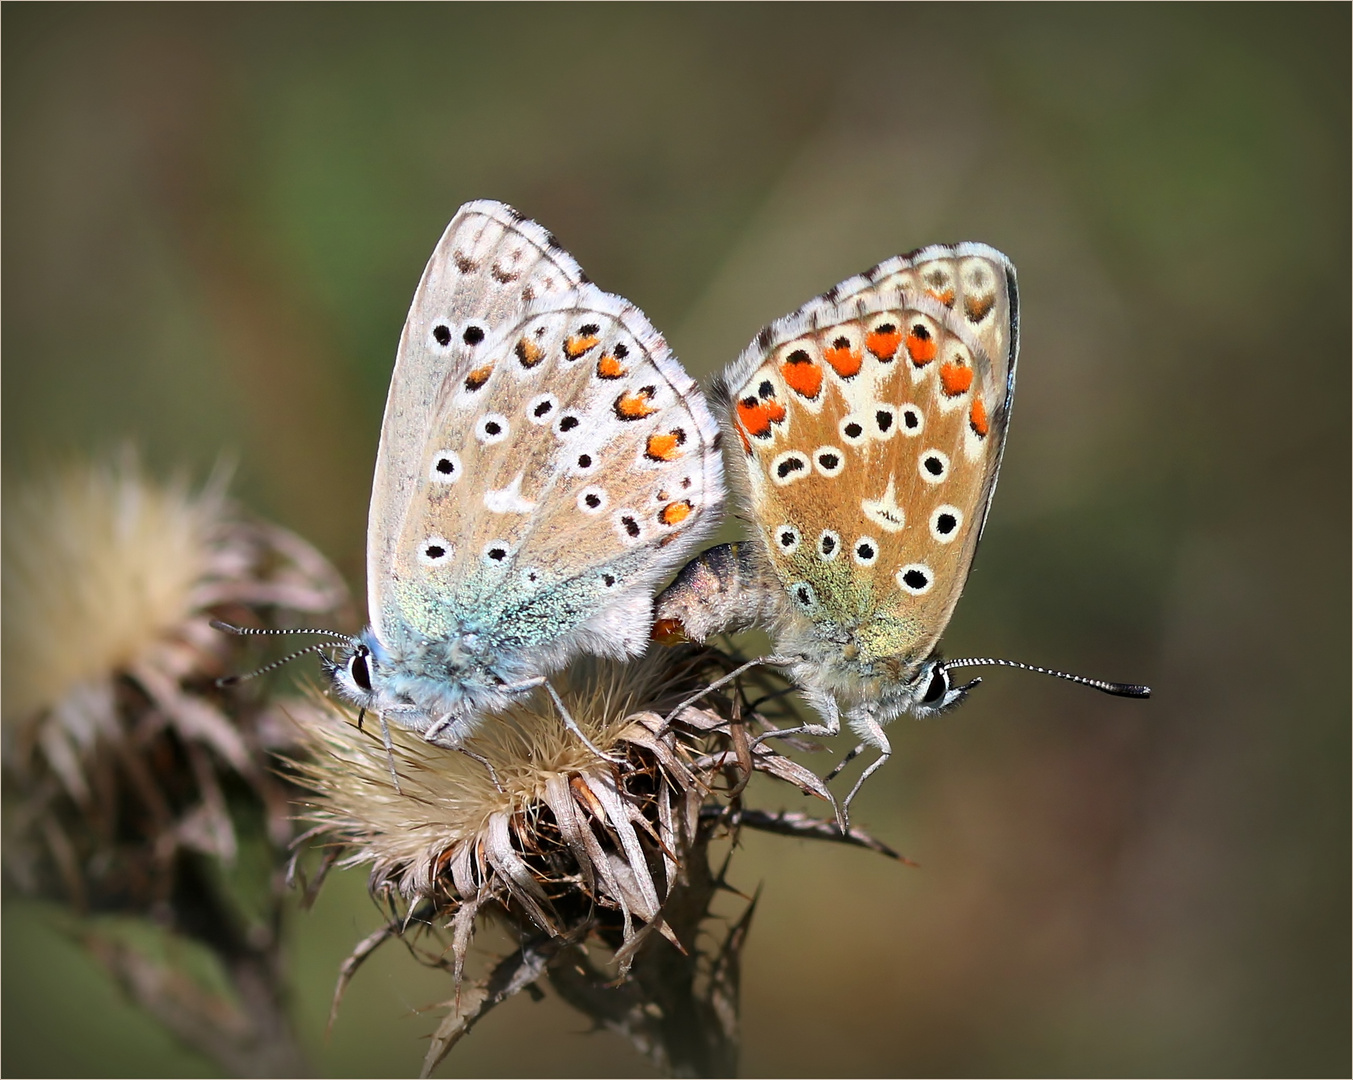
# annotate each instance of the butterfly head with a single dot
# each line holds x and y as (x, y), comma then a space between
(933, 691)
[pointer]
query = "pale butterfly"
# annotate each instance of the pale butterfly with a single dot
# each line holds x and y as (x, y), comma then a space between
(545, 463)
(868, 431)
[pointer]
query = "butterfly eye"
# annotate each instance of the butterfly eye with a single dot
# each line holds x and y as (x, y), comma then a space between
(938, 687)
(358, 670)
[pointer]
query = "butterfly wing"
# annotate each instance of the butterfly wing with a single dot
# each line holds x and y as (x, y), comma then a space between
(871, 424)
(566, 471)
(489, 265)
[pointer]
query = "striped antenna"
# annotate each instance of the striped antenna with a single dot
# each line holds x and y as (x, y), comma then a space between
(335, 638)
(1117, 689)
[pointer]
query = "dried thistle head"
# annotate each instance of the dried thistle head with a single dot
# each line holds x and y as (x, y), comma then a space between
(552, 834)
(563, 847)
(119, 752)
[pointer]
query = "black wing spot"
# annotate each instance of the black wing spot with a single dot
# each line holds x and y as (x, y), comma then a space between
(441, 334)
(631, 526)
(916, 579)
(790, 465)
(473, 335)
(765, 390)
(568, 423)
(946, 523)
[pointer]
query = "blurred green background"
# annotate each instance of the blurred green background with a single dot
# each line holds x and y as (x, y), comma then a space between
(215, 218)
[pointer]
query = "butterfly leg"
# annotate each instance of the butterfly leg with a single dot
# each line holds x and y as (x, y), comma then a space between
(493, 773)
(772, 661)
(868, 728)
(564, 714)
(389, 752)
(843, 763)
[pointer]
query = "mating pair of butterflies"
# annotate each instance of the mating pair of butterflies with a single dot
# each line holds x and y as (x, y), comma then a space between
(546, 464)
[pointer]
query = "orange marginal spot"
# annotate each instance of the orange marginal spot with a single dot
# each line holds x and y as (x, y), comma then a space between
(746, 446)
(946, 297)
(955, 379)
(977, 418)
(844, 360)
(920, 345)
(478, 377)
(529, 353)
(674, 513)
(978, 308)
(578, 344)
(608, 367)
(757, 415)
(636, 405)
(669, 631)
(802, 375)
(883, 342)
(665, 447)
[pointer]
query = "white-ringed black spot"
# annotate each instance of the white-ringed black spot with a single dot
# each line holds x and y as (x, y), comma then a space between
(473, 334)
(829, 460)
(766, 389)
(913, 420)
(608, 580)
(541, 408)
(788, 467)
(828, 545)
(531, 578)
(916, 579)
(445, 467)
(492, 428)
(568, 422)
(629, 523)
(852, 429)
(866, 551)
(495, 552)
(435, 550)
(621, 350)
(787, 539)
(593, 500)
(944, 523)
(884, 419)
(933, 466)
(803, 595)
(441, 334)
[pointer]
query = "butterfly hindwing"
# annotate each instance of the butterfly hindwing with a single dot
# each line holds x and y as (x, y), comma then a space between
(489, 265)
(871, 423)
(567, 470)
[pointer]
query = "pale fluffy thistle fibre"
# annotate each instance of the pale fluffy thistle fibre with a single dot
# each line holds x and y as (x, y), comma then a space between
(564, 827)
(98, 564)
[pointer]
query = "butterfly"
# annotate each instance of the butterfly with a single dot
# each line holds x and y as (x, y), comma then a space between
(545, 463)
(868, 432)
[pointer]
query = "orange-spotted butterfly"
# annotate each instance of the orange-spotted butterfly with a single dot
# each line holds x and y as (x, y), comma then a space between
(867, 430)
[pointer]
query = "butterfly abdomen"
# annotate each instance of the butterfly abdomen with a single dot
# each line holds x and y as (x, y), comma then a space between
(723, 590)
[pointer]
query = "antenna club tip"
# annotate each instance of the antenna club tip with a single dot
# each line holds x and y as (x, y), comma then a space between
(221, 624)
(227, 680)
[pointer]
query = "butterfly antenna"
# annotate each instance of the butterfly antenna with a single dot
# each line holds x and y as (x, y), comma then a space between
(231, 680)
(249, 631)
(335, 638)
(1117, 689)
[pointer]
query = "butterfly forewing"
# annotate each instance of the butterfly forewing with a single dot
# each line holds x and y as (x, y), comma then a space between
(570, 467)
(871, 424)
(489, 265)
